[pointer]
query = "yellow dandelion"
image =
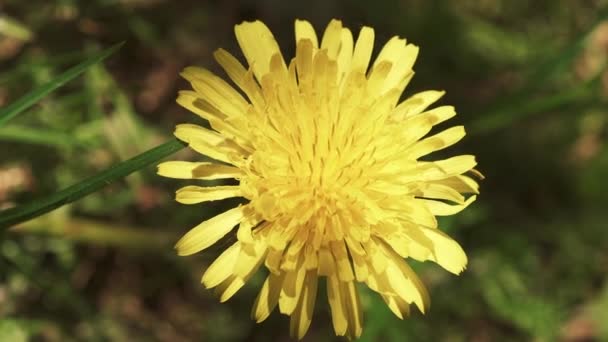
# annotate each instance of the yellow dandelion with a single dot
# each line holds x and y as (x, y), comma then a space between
(329, 161)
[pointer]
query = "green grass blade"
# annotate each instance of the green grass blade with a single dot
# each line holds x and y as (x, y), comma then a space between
(36, 208)
(507, 115)
(26, 135)
(34, 96)
(563, 60)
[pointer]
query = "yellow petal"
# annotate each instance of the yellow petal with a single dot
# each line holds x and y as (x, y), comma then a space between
(235, 70)
(401, 57)
(290, 259)
(327, 265)
(438, 191)
(302, 316)
(352, 305)
(209, 143)
(187, 132)
(244, 233)
(304, 58)
(419, 213)
(400, 243)
(358, 255)
(235, 127)
(379, 283)
(210, 231)
(417, 126)
(345, 55)
(198, 170)
(216, 91)
(405, 282)
(403, 285)
(375, 257)
(457, 165)
(363, 50)
(246, 266)
(437, 142)
(222, 267)
(292, 289)
(343, 266)
(229, 288)
(250, 260)
(268, 297)
(305, 31)
(417, 103)
(462, 184)
(398, 306)
(311, 260)
(273, 260)
(338, 311)
(192, 194)
(240, 76)
(443, 209)
(331, 38)
(258, 46)
(447, 252)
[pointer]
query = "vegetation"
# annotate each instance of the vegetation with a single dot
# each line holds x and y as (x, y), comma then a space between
(80, 114)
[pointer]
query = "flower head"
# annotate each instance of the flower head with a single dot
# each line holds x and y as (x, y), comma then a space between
(329, 161)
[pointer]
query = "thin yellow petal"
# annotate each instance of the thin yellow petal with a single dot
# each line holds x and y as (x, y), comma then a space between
(192, 194)
(331, 38)
(326, 263)
(363, 49)
(292, 289)
(419, 294)
(343, 265)
(417, 126)
(338, 311)
(358, 255)
(457, 165)
(437, 142)
(258, 46)
(416, 104)
(398, 306)
(197, 170)
(447, 252)
(268, 297)
(229, 288)
(439, 191)
(302, 316)
(345, 55)
(210, 231)
(216, 91)
(209, 143)
(443, 209)
(401, 57)
(352, 304)
(273, 260)
(235, 127)
(249, 260)
(222, 267)
(240, 76)
(462, 184)
(305, 31)
(245, 231)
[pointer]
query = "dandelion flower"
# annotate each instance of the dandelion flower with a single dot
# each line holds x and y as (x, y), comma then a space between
(330, 163)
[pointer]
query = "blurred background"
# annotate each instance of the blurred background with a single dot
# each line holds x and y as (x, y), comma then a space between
(527, 78)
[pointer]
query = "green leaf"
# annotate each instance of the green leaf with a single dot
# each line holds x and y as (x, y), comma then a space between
(34, 96)
(42, 206)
